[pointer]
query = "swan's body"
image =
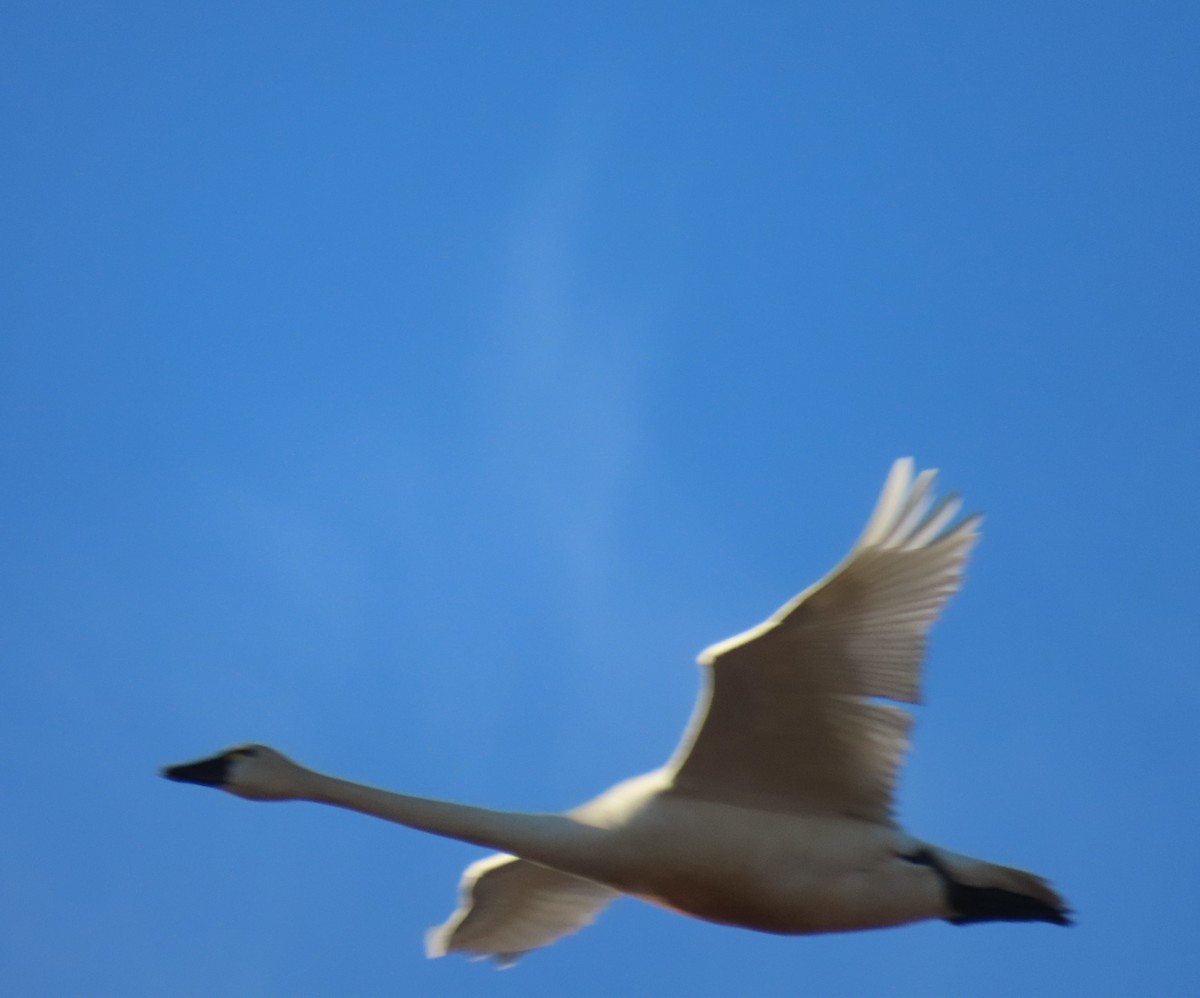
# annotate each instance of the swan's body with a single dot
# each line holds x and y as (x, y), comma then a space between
(775, 813)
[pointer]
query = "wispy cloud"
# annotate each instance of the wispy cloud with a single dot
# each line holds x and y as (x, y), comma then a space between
(565, 435)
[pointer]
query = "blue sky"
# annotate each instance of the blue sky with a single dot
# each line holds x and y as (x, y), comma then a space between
(418, 388)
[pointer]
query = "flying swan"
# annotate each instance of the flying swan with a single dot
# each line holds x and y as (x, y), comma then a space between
(775, 812)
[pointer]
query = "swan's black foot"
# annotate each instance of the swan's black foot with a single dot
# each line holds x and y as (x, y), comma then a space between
(989, 904)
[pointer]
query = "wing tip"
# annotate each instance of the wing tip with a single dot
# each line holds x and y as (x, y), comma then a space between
(906, 515)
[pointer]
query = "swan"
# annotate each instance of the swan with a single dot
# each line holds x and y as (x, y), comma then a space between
(775, 812)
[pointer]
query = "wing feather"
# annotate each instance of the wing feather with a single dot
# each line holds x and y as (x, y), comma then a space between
(786, 717)
(509, 906)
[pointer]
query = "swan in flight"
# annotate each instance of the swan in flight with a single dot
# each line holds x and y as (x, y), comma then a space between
(775, 812)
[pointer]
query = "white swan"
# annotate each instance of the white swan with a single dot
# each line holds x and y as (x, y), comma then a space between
(775, 813)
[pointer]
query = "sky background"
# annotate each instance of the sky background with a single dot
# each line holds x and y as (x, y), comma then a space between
(419, 387)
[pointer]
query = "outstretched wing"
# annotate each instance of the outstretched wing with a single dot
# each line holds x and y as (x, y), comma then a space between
(785, 719)
(508, 906)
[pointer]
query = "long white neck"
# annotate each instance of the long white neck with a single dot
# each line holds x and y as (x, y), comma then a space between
(550, 839)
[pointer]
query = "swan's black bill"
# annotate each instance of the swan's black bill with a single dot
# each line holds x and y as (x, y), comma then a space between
(212, 772)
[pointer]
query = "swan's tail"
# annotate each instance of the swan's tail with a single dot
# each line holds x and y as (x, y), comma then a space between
(978, 891)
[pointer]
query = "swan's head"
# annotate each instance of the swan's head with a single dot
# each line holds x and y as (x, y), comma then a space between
(255, 772)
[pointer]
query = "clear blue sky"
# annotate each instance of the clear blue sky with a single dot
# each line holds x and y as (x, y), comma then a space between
(418, 388)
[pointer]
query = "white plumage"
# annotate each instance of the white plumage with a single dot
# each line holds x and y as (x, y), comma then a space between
(775, 812)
